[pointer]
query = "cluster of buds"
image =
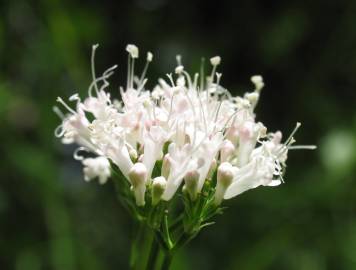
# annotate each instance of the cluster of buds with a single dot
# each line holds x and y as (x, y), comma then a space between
(188, 135)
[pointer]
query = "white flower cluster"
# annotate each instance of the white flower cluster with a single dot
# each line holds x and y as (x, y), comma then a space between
(192, 126)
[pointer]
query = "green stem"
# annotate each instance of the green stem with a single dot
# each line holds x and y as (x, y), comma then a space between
(141, 248)
(166, 231)
(154, 254)
(134, 247)
(167, 260)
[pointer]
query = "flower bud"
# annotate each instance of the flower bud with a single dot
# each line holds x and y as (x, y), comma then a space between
(212, 169)
(249, 133)
(226, 150)
(133, 154)
(233, 135)
(224, 179)
(158, 186)
(166, 166)
(137, 176)
(191, 183)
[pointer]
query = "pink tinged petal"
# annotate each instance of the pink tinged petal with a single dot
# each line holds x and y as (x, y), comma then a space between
(150, 155)
(212, 148)
(171, 188)
(241, 185)
(120, 156)
(153, 144)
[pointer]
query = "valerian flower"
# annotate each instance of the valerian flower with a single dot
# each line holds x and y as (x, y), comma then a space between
(188, 139)
(189, 128)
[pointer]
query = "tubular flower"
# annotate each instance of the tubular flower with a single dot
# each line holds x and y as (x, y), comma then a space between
(188, 131)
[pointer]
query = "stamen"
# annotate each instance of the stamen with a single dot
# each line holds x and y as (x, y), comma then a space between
(171, 79)
(292, 134)
(218, 78)
(281, 178)
(306, 147)
(132, 72)
(190, 85)
(142, 85)
(257, 80)
(202, 73)
(195, 83)
(105, 75)
(93, 66)
(59, 131)
(179, 69)
(179, 59)
(284, 148)
(128, 71)
(74, 97)
(215, 61)
(132, 50)
(76, 153)
(57, 111)
(148, 60)
(60, 100)
(217, 112)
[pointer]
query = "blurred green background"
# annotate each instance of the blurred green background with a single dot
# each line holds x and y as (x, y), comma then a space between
(306, 51)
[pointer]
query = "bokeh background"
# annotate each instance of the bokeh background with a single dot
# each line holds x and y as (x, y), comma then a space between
(306, 51)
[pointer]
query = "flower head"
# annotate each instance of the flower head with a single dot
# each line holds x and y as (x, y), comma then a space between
(186, 130)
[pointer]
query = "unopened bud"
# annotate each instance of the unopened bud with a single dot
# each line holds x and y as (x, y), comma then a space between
(137, 176)
(226, 150)
(212, 169)
(158, 186)
(191, 183)
(224, 179)
(133, 154)
(166, 166)
(233, 135)
(132, 50)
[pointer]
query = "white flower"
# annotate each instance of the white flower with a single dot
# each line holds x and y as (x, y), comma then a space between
(191, 127)
(96, 168)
